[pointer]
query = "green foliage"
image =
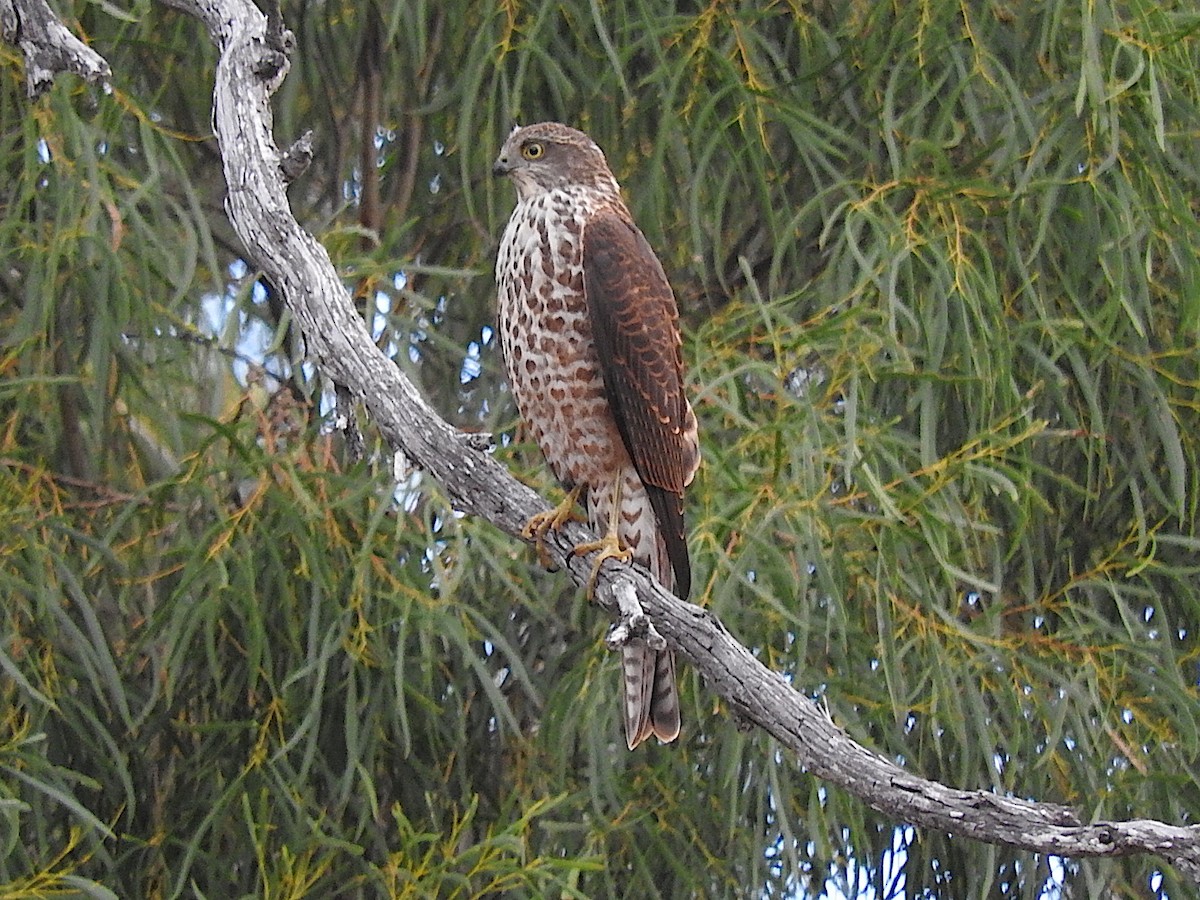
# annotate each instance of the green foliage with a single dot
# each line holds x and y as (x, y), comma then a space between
(937, 264)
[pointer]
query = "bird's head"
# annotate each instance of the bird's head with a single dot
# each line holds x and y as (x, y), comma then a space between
(549, 156)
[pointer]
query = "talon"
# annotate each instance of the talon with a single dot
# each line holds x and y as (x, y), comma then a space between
(610, 548)
(540, 523)
(551, 519)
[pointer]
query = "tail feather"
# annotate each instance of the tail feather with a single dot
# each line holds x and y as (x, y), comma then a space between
(676, 574)
(637, 663)
(664, 708)
(650, 697)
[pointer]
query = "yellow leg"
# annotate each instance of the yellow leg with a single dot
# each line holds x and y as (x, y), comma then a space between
(609, 545)
(540, 523)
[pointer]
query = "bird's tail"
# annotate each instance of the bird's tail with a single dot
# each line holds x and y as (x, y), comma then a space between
(651, 695)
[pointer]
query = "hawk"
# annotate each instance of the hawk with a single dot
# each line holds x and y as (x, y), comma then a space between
(590, 335)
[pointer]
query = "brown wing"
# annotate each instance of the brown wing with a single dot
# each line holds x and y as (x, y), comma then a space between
(636, 332)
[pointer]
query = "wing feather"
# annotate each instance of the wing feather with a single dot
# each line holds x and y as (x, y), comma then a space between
(635, 327)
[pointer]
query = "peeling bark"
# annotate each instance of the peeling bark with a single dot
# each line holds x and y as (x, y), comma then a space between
(253, 62)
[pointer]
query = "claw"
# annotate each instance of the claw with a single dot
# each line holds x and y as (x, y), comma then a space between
(610, 548)
(551, 519)
(540, 523)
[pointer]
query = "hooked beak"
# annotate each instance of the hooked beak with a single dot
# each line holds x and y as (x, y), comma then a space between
(502, 166)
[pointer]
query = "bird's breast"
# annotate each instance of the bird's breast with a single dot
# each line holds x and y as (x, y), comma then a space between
(546, 336)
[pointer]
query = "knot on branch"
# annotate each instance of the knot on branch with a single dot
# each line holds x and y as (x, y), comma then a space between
(271, 65)
(297, 157)
(633, 623)
(279, 43)
(480, 441)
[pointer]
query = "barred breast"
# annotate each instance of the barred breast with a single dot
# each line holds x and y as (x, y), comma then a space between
(546, 338)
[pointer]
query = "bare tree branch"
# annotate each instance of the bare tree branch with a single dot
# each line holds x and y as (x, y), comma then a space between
(763, 697)
(338, 339)
(252, 64)
(48, 45)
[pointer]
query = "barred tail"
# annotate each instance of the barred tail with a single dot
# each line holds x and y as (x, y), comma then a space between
(651, 698)
(651, 695)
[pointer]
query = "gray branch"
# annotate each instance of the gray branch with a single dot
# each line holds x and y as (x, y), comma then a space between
(48, 46)
(475, 483)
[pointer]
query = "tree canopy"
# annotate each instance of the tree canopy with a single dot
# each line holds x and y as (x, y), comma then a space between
(937, 268)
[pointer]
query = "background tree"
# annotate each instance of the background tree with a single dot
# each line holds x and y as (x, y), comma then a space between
(937, 265)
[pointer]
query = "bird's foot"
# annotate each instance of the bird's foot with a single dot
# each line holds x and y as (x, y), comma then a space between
(610, 548)
(551, 519)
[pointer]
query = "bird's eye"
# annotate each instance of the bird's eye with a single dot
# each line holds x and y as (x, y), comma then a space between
(532, 150)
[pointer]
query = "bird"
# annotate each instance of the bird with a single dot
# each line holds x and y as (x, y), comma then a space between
(589, 331)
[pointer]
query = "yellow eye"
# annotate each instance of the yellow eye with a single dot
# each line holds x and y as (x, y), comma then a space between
(532, 150)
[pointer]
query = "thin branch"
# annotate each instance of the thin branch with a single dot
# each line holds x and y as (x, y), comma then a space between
(48, 46)
(337, 337)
